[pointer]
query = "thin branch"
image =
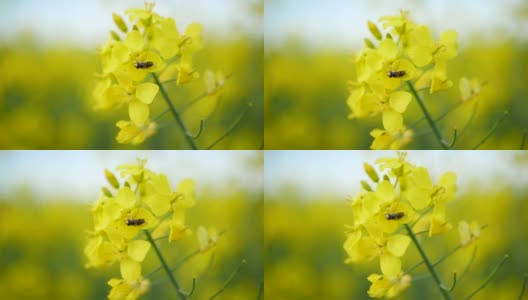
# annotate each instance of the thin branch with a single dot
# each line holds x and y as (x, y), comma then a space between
(175, 113)
(454, 282)
(525, 133)
(191, 255)
(454, 139)
(197, 135)
(427, 262)
(523, 286)
(492, 130)
(228, 281)
(183, 260)
(230, 129)
(261, 290)
(203, 95)
(427, 115)
(445, 114)
(154, 271)
(447, 255)
(421, 216)
(473, 255)
(436, 263)
(473, 114)
(483, 285)
(414, 267)
(192, 288)
(181, 294)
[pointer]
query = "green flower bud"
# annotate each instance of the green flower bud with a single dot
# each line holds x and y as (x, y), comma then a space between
(120, 23)
(114, 35)
(111, 179)
(106, 191)
(386, 178)
(374, 30)
(369, 43)
(366, 186)
(371, 172)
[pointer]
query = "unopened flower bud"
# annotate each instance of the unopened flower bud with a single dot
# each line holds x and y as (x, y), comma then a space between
(369, 43)
(114, 35)
(371, 172)
(106, 191)
(366, 186)
(120, 23)
(111, 179)
(374, 30)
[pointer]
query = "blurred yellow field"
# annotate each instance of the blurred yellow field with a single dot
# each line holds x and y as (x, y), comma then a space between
(49, 92)
(315, 82)
(44, 239)
(305, 224)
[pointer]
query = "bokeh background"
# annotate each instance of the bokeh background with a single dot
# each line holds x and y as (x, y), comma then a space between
(49, 61)
(45, 214)
(305, 211)
(308, 60)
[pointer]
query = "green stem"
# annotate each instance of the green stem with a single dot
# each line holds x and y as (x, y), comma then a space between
(261, 290)
(483, 285)
(175, 113)
(228, 281)
(430, 120)
(447, 255)
(427, 262)
(181, 294)
(492, 130)
(523, 286)
(436, 263)
(525, 133)
(230, 129)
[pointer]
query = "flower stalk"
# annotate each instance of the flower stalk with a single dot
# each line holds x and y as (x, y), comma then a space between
(428, 117)
(181, 294)
(430, 267)
(175, 113)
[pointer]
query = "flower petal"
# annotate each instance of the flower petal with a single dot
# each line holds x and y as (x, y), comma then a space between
(146, 92)
(397, 244)
(390, 264)
(138, 112)
(130, 270)
(138, 249)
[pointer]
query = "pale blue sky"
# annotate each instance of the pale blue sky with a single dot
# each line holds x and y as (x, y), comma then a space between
(79, 175)
(342, 23)
(338, 173)
(87, 23)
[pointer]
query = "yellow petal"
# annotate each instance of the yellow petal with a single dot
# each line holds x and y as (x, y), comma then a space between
(392, 120)
(134, 41)
(390, 264)
(130, 270)
(186, 188)
(399, 101)
(397, 244)
(138, 249)
(146, 92)
(418, 198)
(385, 191)
(138, 112)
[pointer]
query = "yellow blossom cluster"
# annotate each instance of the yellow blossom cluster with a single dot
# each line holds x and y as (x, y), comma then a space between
(144, 201)
(150, 44)
(404, 59)
(404, 195)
